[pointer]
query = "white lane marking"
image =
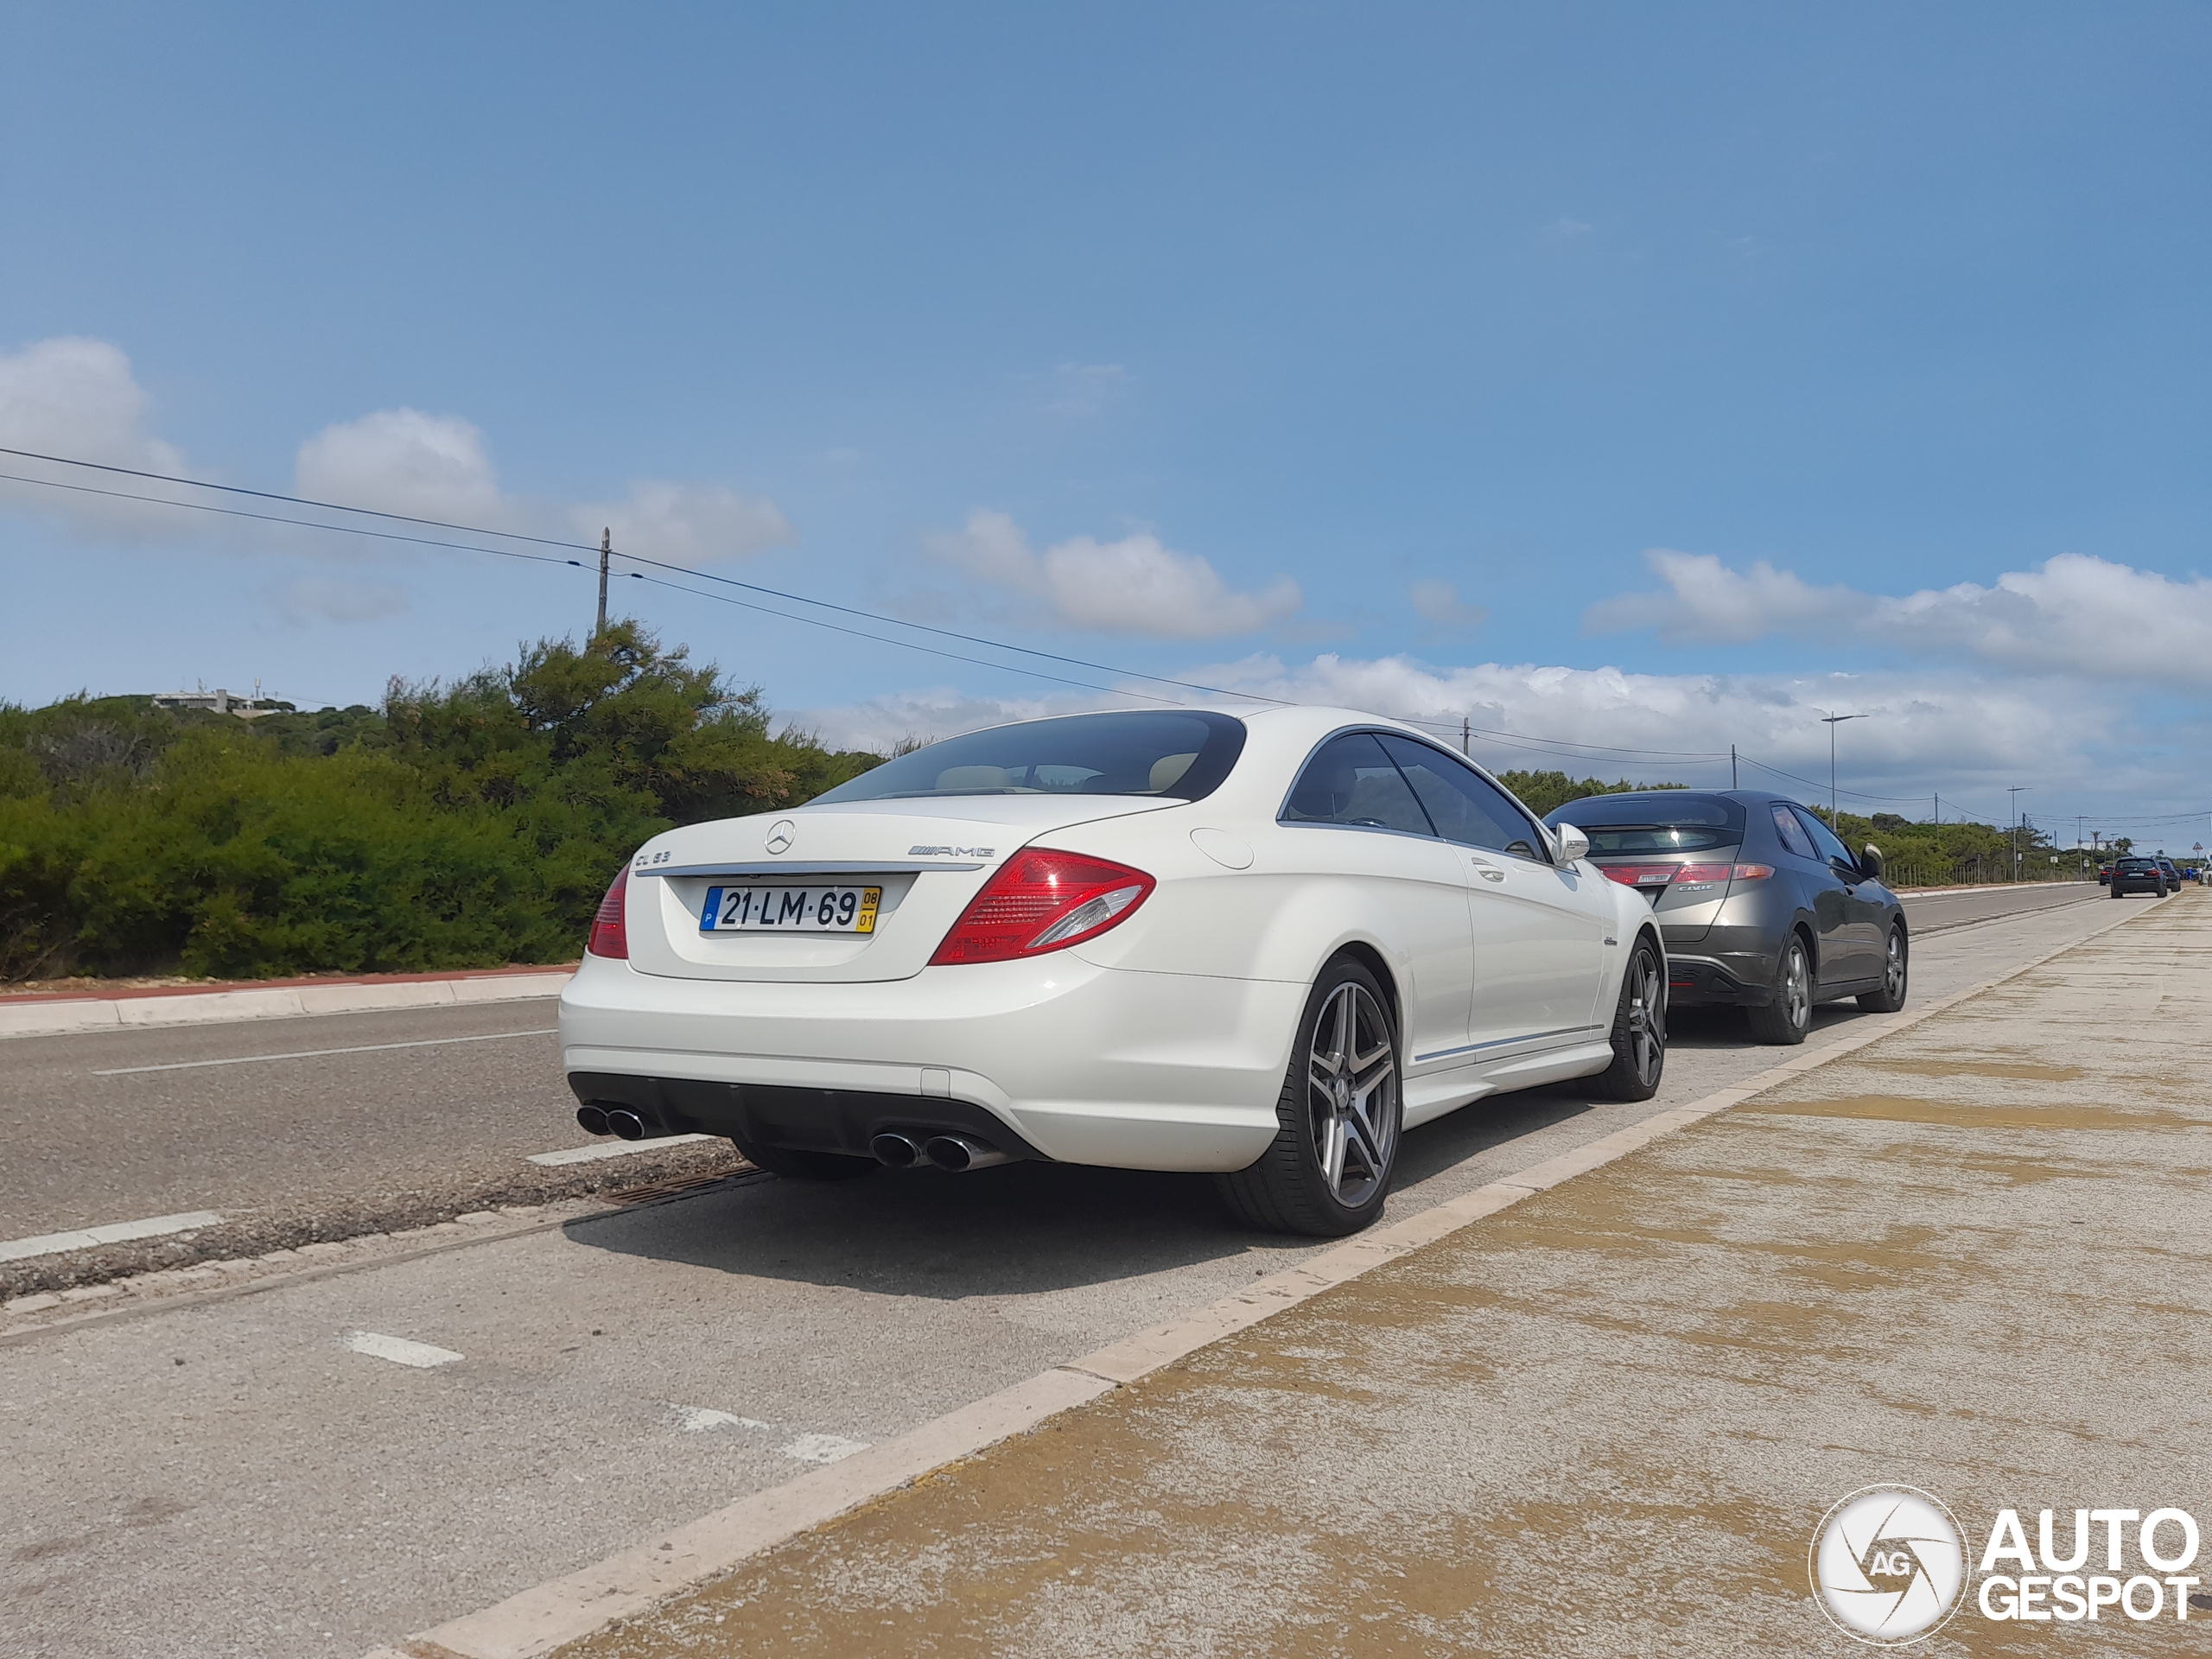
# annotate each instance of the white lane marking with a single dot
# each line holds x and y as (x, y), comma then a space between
(823, 1448)
(697, 1420)
(615, 1148)
(318, 1053)
(398, 1350)
(113, 1232)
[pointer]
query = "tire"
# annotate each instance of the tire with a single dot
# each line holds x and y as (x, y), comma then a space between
(2115, 889)
(1896, 967)
(1784, 1021)
(1639, 1028)
(800, 1164)
(1340, 1108)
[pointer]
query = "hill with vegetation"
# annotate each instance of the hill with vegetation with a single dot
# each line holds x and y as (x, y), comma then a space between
(469, 823)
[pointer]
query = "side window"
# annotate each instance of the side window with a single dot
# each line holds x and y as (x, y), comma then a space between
(1824, 839)
(1792, 832)
(1464, 806)
(1350, 780)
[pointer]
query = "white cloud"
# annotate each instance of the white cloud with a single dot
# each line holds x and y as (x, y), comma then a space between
(404, 460)
(306, 600)
(1438, 603)
(1965, 736)
(2074, 615)
(1136, 585)
(78, 397)
(935, 712)
(686, 523)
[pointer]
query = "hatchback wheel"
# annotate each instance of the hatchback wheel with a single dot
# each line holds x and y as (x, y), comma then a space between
(1336, 1147)
(1890, 997)
(1785, 1021)
(1639, 1029)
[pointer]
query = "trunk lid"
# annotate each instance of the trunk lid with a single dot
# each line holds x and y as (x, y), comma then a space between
(929, 856)
(1685, 910)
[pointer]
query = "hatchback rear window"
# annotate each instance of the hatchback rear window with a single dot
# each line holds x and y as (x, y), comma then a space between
(1182, 756)
(2138, 864)
(1663, 821)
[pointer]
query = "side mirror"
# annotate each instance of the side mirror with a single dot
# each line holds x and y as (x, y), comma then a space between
(1870, 859)
(1573, 843)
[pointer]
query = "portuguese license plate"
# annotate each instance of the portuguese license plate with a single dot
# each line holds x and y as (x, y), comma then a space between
(752, 909)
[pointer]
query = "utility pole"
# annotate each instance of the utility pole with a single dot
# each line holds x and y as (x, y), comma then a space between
(2016, 791)
(1832, 721)
(606, 547)
(1732, 784)
(1466, 731)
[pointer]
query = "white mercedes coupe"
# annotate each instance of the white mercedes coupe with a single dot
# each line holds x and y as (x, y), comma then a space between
(1263, 946)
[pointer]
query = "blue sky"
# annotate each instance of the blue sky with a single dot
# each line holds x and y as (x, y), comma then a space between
(1358, 353)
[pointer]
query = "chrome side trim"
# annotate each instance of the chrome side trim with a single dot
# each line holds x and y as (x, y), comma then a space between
(1505, 1042)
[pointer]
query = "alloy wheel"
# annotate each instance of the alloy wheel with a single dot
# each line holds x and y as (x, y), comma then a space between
(1796, 987)
(1893, 970)
(1352, 1091)
(1647, 1017)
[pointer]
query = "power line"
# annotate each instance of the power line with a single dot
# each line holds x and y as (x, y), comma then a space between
(634, 558)
(1580, 753)
(1565, 748)
(294, 500)
(908, 644)
(306, 523)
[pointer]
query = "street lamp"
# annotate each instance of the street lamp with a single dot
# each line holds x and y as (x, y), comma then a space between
(1832, 721)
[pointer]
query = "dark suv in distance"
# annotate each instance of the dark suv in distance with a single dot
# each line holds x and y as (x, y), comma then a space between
(1760, 906)
(2135, 875)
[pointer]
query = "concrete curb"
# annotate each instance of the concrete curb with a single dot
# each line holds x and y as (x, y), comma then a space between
(62, 1017)
(537, 1621)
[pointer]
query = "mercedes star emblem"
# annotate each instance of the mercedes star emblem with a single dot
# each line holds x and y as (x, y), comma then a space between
(779, 835)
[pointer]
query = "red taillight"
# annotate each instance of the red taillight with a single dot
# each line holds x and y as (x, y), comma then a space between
(1641, 875)
(610, 934)
(1038, 902)
(1661, 876)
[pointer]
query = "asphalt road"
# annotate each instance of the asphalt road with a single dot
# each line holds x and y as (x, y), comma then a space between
(229, 1477)
(1947, 910)
(327, 1126)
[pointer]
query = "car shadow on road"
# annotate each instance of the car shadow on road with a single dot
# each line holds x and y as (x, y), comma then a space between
(1030, 1227)
(1019, 1227)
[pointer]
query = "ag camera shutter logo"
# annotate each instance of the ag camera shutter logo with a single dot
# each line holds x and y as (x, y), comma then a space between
(1887, 1565)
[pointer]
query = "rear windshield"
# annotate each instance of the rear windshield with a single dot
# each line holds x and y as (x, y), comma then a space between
(1180, 756)
(2139, 863)
(1666, 821)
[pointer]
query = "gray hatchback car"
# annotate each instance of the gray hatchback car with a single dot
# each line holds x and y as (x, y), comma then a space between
(1761, 907)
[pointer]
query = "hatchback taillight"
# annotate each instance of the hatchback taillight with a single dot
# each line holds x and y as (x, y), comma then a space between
(610, 932)
(1041, 901)
(1657, 875)
(1702, 873)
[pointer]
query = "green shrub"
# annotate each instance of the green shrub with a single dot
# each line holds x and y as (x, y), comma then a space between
(463, 825)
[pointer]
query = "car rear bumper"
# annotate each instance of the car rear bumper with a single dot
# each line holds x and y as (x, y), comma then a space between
(1053, 1058)
(1732, 980)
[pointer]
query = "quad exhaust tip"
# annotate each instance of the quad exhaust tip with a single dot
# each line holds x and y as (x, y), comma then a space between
(611, 1119)
(900, 1150)
(958, 1151)
(895, 1150)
